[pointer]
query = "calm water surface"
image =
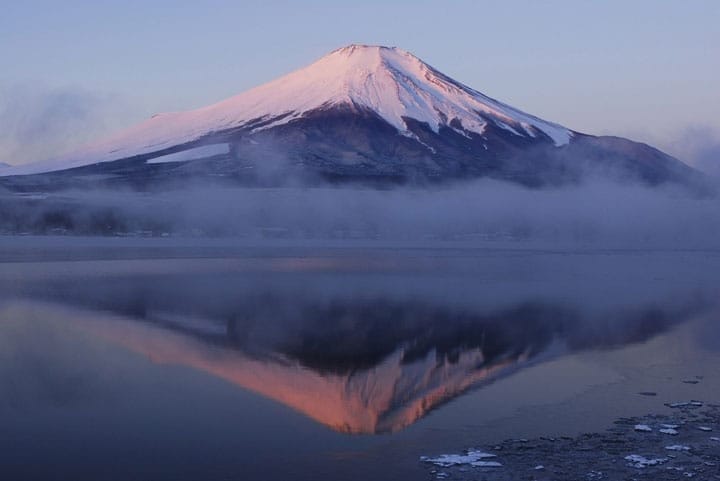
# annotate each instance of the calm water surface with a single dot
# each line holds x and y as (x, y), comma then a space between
(228, 360)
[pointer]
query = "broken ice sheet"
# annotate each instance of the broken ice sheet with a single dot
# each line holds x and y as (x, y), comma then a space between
(692, 403)
(446, 460)
(486, 464)
(640, 462)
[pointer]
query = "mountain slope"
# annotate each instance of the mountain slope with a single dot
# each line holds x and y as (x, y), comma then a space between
(360, 112)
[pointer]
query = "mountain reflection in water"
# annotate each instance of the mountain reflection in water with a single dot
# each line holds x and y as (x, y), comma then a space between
(355, 359)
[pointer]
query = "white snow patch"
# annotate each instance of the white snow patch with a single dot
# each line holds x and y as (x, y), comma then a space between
(192, 154)
(411, 135)
(528, 128)
(462, 132)
(507, 127)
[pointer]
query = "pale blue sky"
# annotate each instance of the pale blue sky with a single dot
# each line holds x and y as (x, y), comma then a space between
(643, 68)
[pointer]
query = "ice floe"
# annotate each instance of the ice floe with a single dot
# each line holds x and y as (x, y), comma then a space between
(685, 404)
(473, 457)
(677, 447)
(643, 428)
(640, 462)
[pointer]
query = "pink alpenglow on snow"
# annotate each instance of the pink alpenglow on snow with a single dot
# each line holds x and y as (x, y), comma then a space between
(391, 82)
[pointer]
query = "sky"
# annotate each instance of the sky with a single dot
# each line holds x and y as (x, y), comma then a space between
(74, 71)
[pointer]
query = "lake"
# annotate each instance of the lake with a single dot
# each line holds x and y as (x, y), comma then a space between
(187, 359)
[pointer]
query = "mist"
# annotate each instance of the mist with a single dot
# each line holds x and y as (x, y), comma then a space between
(38, 123)
(598, 212)
(699, 146)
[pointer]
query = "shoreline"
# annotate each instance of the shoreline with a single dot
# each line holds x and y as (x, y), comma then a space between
(683, 444)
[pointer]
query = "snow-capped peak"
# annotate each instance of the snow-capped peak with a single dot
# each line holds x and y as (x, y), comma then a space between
(388, 81)
(396, 85)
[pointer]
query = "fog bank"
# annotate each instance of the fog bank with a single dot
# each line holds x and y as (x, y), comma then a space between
(596, 213)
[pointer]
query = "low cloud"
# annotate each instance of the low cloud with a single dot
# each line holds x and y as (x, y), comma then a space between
(700, 147)
(38, 123)
(598, 213)
(696, 145)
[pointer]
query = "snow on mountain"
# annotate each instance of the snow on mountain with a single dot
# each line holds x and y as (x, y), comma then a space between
(192, 154)
(391, 82)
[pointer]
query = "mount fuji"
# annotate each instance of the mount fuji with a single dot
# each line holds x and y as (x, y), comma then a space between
(361, 113)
